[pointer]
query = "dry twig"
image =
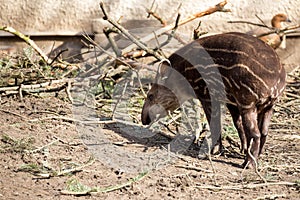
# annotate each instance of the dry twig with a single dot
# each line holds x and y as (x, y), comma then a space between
(197, 33)
(13, 113)
(155, 15)
(76, 169)
(245, 186)
(255, 162)
(194, 168)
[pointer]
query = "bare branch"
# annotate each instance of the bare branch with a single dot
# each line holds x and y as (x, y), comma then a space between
(156, 16)
(197, 33)
(247, 22)
(287, 30)
(126, 33)
(217, 8)
(28, 41)
(59, 53)
(261, 20)
(107, 32)
(170, 36)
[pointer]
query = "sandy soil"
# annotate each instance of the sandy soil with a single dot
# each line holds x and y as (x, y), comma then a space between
(44, 157)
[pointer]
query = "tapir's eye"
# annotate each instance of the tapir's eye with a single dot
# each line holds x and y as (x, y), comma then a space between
(150, 97)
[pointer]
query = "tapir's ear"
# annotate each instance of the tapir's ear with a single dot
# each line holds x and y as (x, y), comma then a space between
(164, 69)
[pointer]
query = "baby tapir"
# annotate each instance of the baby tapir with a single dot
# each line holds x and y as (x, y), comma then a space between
(232, 68)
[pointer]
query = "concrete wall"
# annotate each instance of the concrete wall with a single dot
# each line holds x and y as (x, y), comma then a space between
(60, 17)
(38, 17)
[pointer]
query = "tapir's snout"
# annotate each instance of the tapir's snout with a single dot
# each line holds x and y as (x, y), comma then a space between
(159, 101)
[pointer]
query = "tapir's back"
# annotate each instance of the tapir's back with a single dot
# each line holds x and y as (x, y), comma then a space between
(248, 69)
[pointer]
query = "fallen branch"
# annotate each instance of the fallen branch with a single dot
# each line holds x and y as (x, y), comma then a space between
(199, 169)
(44, 57)
(76, 169)
(53, 85)
(28, 41)
(106, 189)
(271, 196)
(13, 113)
(42, 174)
(69, 119)
(40, 149)
(246, 186)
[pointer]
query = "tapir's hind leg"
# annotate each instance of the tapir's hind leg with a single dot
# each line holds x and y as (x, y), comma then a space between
(264, 119)
(237, 121)
(252, 132)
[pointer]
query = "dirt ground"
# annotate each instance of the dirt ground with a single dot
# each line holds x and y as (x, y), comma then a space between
(44, 157)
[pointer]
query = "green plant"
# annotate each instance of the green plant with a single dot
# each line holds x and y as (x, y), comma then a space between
(229, 130)
(16, 145)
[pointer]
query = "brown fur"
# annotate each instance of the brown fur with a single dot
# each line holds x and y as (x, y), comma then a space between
(234, 68)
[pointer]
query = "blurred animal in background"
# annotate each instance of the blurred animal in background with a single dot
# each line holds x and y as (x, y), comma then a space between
(275, 39)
